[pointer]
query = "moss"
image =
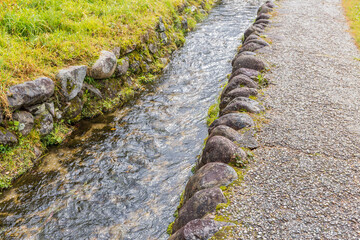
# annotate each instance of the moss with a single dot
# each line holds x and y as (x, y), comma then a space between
(213, 113)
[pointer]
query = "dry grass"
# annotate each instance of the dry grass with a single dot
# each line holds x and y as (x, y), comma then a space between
(352, 11)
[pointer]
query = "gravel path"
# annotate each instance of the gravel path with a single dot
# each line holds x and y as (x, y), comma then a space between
(305, 181)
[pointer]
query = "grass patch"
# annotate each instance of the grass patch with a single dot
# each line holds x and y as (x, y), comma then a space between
(40, 37)
(213, 113)
(352, 11)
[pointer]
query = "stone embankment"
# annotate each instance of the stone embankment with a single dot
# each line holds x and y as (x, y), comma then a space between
(231, 136)
(80, 92)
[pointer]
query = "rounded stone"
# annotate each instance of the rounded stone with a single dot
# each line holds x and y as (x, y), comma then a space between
(105, 66)
(221, 149)
(250, 47)
(211, 175)
(237, 92)
(203, 202)
(249, 62)
(251, 73)
(242, 104)
(239, 81)
(236, 121)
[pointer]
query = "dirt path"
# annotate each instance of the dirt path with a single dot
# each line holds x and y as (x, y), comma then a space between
(305, 182)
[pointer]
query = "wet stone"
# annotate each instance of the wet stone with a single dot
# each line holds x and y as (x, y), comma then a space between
(263, 16)
(251, 73)
(203, 202)
(7, 138)
(244, 139)
(211, 175)
(199, 229)
(236, 121)
(221, 149)
(250, 47)
(30, 93)
(26, 122)
(71, 80)
(122, 67)
(249, 62)
(242, 104)
(238, 82)
(237, 92)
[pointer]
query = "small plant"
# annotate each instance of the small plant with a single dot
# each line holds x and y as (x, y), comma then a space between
(213, 113)
(239, 162)
(263, 82)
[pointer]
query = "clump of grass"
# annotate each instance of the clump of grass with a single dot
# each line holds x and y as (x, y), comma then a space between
(352, 10)
(213, 113)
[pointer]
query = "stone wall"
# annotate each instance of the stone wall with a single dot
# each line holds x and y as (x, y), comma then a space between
(231, 136)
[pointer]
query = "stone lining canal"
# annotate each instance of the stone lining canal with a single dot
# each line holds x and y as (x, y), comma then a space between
(121, 175)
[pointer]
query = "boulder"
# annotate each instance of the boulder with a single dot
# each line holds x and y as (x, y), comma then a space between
(236, 121)
(122, 67)
(221, 149)
(46, 123)
(264, 9)
(252, 30)
(211, 175)
(250, 62)
(26, 122)
(30, 93)
(203, 202)
(237, 92)
(71, 80)
(72, 110)
(264, 21)
(244, 104)
(251, 73)
(245, 139)
(199, 229)
(250, 47)
(7, 138)
(239, 81)
(105, 66)
(37, 109)
(263, 16)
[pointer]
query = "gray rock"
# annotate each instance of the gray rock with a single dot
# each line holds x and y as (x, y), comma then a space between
(26, 122)
(251, 37)
(93, 90)
(161, 25)
(264, 21)
(236, 121)
(248, 62)
(122, 67)
(270, 4)
(37, 109)
(257, 41)
(72, 110)
(252, 30)
(263, 16)
(242, 104)
(46, 123)
(250, 47)
(58, 114)
(203, 202)
(264, 9)
(163, 37)
(135, 66)
(30, 93)
(238, 82)
(7, 138)
(251, 73)
(245, 139)
(71, 80)
(117, 52)
(51, 108)
(105, 66)
(152, 48)
(244, 53)
(211, 175)
(237, 92)
(199, 229)
(221, 149)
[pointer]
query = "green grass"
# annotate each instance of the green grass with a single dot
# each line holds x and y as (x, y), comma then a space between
(213, 113)
(352, 10)
(39, 37)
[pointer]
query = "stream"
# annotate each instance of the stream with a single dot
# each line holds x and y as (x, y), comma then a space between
(120, 175)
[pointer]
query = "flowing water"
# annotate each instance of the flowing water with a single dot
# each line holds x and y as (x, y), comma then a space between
(121, 175)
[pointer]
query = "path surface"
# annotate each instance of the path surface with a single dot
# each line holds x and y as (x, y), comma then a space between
(305, 183)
